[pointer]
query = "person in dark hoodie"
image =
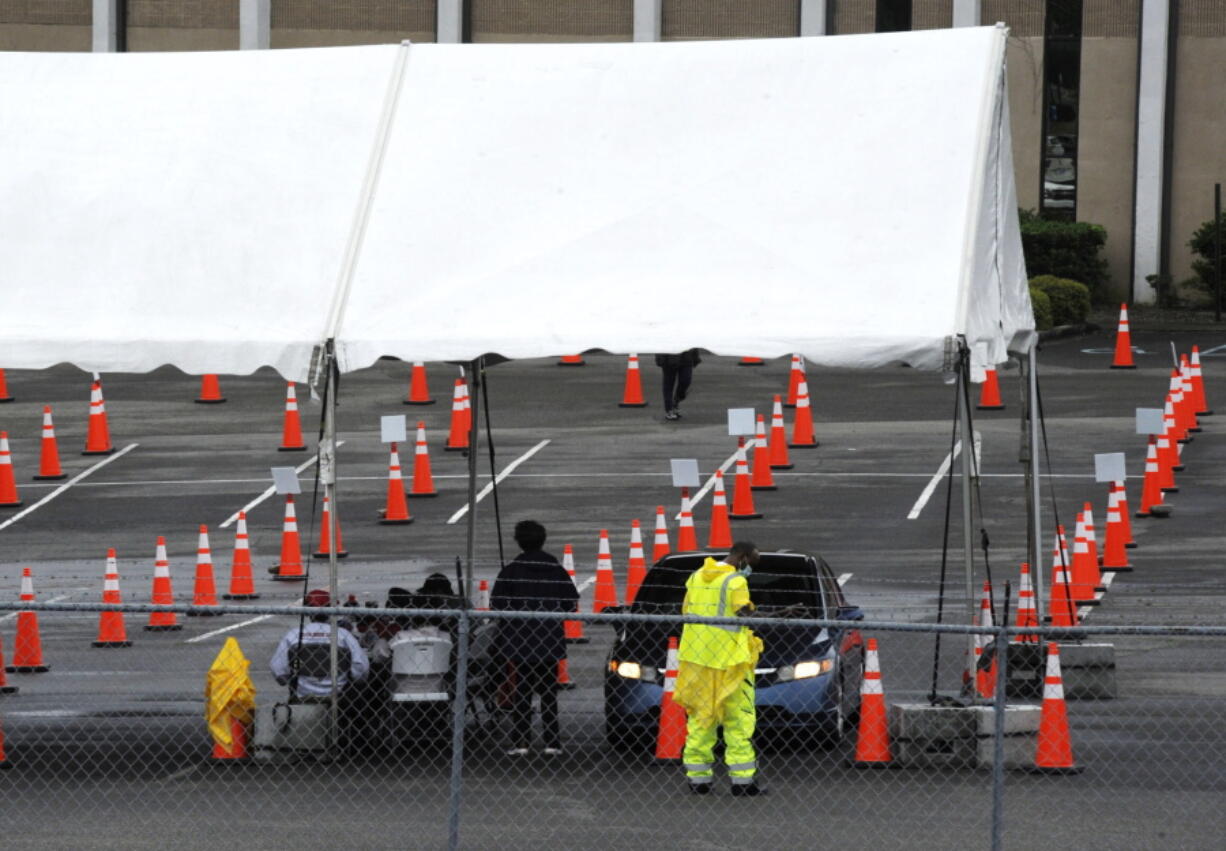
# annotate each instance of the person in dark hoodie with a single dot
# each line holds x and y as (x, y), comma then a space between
(533, 582)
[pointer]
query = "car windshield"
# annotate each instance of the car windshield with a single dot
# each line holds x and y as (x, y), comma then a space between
(779, 580)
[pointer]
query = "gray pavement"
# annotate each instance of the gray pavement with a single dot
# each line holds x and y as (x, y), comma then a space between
(109, 748)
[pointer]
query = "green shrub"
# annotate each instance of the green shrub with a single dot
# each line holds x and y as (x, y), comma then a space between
(1069, 300)
(1066, 250)
(1201, 244)
(1042, 309)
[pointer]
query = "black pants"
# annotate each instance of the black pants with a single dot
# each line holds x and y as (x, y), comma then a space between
(535, 678)
(676, 384)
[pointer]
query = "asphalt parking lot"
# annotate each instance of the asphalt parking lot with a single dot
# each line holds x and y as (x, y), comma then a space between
(110, 751)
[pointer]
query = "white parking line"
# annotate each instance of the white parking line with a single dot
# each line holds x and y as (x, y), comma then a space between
(941, 471)
(12, 615)
(506, 471)
(706, 488)
(843, 578)
(266, 494)
(587, 583)
(78, 477)
(226, 629)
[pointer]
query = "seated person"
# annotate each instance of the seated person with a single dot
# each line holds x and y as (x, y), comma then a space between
(313, 654)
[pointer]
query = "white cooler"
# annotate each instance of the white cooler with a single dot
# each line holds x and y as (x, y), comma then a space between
(421, 659)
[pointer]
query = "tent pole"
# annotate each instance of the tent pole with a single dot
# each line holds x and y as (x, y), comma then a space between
(327, 470)
(1036, 540)
(475, 369)
(968, 461)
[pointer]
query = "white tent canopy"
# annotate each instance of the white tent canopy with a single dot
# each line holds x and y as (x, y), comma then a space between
(848, 198)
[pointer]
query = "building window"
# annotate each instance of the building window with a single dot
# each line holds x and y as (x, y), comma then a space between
(893, 16)
(1061, 93)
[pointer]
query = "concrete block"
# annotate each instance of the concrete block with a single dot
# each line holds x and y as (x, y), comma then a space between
(956, 737)
(921, 722)
(1088, 671)
(1020, 719)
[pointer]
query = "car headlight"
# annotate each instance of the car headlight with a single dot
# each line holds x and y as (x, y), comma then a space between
(805, 670)
(635, 671)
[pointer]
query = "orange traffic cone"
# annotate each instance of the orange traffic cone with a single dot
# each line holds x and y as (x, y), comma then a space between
(242, 584)
(742, 494)
(1179, 409)
(27, 643)
(325, 535)
(457, 438)
(1054, 751)
(1168, 455)
(661, 547)
(1189, 394)
(98, 437)
(1084, 570)
(466, 409)
(1027, 611)
(873, 737)
(985, 674)
(1123, 343)
(4, 389)
(605, 594)
(419, 391)
(5, 688)
(237, 749)
(4, 760)
(564, 681)
(112, 631)
(721, 529)
(290, 566)
(795, 377)
(762, 479)
(632, 396)
(1115, 554)
(1092, 545)
(989, 393)
(291, 431)
(1198, 385)
(9, 497)
(573, 629)
(1121, 498)
(397, 511)
(779, 438)
(636, 569)
(205, 591)
(571, 360)
(483, 595)
(1151, 489)
(163, 593)
(49, 460)
(670, 735)
(687, 537)
(210, 390)
(423, 479)
(802, 423)
(748, 361)
(1061, 607)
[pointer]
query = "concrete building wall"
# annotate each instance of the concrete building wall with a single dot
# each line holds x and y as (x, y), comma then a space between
(696, 19)
(854, 16)
(931, 14)
(552, 20)
(1024, 60)
(333, 23)
(182, 25)
(1107, 129)
(45, 25)
(1199, 149)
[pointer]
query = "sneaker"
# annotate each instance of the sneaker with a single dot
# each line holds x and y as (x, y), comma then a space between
(672, 415)
(552, 751)
(747, 790)
(700, 788)
(517, 752)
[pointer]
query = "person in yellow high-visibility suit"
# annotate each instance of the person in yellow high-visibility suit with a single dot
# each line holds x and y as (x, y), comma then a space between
(715, 677)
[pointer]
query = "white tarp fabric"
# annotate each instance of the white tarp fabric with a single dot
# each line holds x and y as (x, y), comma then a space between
(849, 198)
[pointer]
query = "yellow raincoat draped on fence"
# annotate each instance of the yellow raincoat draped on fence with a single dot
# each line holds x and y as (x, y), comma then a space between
(228, 692)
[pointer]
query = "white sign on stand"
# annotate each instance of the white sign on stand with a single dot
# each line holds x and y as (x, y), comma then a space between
(285, 480)
(1109, 467)
(685, 472)
(1149, 421)
(393, 428)
(741, 421)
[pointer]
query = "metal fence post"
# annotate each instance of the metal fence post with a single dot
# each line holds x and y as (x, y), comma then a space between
(460, 712)
(999, 700)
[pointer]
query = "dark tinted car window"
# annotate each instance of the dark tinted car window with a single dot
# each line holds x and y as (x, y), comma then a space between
(778, 581)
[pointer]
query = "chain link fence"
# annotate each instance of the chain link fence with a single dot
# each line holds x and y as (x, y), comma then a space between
(110, 746)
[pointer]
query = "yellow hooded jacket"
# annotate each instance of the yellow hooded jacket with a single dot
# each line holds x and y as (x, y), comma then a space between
(714, 659)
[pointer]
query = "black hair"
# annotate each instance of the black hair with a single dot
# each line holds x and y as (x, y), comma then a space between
(742, 548)
(530, 535)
